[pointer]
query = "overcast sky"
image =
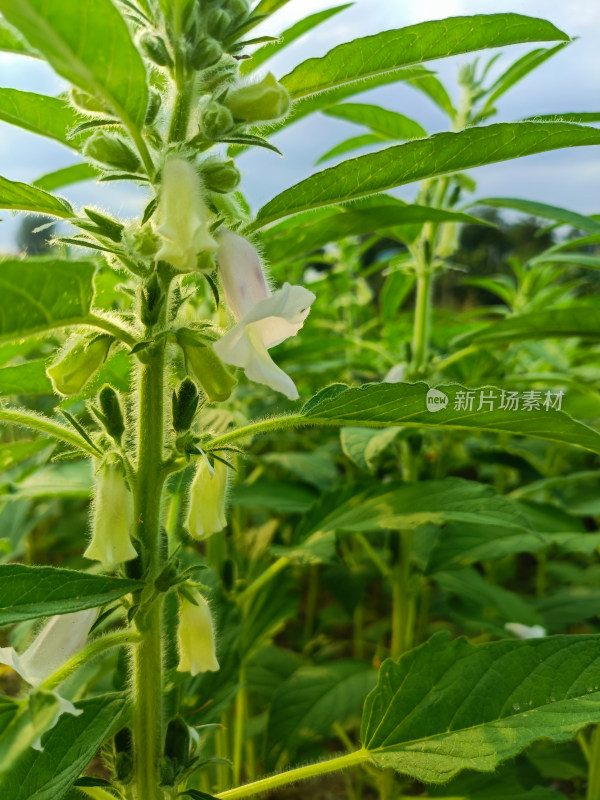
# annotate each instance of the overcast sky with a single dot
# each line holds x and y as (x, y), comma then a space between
(568, 82)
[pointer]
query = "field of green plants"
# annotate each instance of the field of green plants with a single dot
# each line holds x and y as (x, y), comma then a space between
(300, 500)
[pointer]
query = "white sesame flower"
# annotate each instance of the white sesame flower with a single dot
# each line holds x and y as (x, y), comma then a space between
(526, 631)
(196, 636)
(264, 319)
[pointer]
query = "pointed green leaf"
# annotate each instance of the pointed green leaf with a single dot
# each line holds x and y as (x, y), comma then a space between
(520, 69)
(46, 116)
(306, 24)
(67, 750)
(31, 592)
(66, 176)
(543, 210)
(11, 41)
(17, 196)
(439, 154)
(372, 55)
(581, 321)
(311, 230)
(450, 705)
(89, 44)
(28, 378)
(354, 143)
(389, 124)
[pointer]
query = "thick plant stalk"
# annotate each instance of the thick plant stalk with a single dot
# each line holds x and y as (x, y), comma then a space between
(148, 666)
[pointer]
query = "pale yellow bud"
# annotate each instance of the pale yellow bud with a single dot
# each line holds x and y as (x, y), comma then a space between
(113, 517)
(196, 636)
(181, 219)
(207, 499)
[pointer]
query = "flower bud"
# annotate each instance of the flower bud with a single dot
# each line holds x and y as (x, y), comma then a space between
(181, 216)
(113, 517)
(79, 363)
(217, 121)
(206, 53)
(218, 22)
(206, 367)
(258, 102)
(112, 412)
(112, 151)
(156, 50)
(196, 635)
(185, 405)
(207, 499)
(220, 176)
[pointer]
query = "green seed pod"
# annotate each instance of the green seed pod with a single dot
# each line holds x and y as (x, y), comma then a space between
(113, 151)
(220, 176)
(156, 49)
(228, 574)
(206, 53)
(152, 299)
(217, 121)
(154, 103)
(185, 405)
(258, 102)
(218, 22)
(202, 363)
(178, 742)
(110, 405)
(78, 364)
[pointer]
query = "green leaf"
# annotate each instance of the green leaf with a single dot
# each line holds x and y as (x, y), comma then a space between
(46, 116)
(572, 116)
(581, 321)
(380, 405)
(72, 479)
(269, 6)
(13, 453)
(372, 55)
(67, 750)
(433, 88)
(440, 154)
(29, 378)
(306, 24)
(28, 419)
(44, 293)
(576, 259)
(450, 705)
(389, 124)
(535, 209)
(31, 592)
(363, 445)
(17, 196)
(66, 176)
(11, 41)
(88, 44)
(305, 706)
(354, 143)
(30, 719)
(519, 70)
(311, 230)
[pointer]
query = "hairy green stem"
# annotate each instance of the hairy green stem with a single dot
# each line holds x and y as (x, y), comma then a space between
(593, 789)
(148, 662)
(293, 775)
(108, 325)
(29, 419)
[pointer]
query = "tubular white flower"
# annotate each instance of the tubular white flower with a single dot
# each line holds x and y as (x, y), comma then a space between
(182, 217)
(113, 518)
(208, 494)
(58, 641)
(264, 319)
(196, 636)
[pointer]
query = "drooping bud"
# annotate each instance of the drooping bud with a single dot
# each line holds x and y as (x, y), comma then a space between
(110, 407)
(220, 176)
(205, 366)
(196, 635)
(181, 217)
(218, 22)
(112, 151)
(258, 102)
(113, 517)
(217, 121)
(206, 53)
(58, 641)
(185, 404)
(263, 319)
(208, 494)
(74, 368)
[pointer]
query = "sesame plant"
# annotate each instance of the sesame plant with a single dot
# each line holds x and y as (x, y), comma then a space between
(137, 361)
